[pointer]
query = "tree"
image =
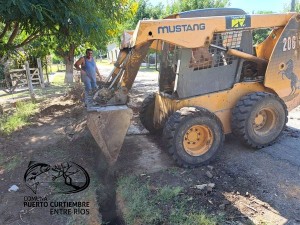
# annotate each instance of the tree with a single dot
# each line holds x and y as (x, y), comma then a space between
(22, 22)
(147, 11)
(100, 22)
(70, 23)
(185, 5)
(294, 7)
(260, 35)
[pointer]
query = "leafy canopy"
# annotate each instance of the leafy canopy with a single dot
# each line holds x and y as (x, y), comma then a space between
(185, 5)
(70, 21)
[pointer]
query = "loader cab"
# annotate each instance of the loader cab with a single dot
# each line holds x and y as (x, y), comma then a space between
(190, 72)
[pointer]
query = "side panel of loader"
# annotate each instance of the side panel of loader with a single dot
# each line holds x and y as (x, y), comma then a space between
(221, 103)
(283, 71)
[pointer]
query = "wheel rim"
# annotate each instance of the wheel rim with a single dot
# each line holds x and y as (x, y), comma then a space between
(264, 121)
(197, 140)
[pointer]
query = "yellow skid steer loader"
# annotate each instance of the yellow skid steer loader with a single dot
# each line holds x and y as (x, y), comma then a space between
(212, 81)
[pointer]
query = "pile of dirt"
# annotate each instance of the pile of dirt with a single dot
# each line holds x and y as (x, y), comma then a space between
(53, 108)
(76, 93)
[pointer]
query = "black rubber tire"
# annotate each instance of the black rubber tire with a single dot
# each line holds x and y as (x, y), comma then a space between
(247, 109)
(177, 126)
(147, 114)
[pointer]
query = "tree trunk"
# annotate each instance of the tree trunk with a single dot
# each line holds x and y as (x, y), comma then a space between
(293, 6)
(4, 61)
(69, 70)
(69, 61)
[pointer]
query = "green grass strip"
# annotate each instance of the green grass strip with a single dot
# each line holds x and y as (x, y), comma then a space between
(20, 118)
(165, 205)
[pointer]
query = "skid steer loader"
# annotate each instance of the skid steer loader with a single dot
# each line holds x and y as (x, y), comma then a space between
(212, 82)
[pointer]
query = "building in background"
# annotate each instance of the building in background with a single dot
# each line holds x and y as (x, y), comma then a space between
(112, 52)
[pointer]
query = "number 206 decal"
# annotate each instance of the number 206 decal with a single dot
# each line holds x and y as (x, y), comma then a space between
(289, 43)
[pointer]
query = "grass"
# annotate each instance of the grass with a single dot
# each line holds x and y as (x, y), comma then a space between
(104, 62)
(201, 218)
(59, 78)
(165, 205)
(54, 68)
(140, 209)
(20, 118)
(24, 110)
(15, 95)
(58, 87)
(168, 193)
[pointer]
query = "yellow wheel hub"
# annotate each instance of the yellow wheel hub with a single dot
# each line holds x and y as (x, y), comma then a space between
(264, 121)
(260, 119)
(197, 140)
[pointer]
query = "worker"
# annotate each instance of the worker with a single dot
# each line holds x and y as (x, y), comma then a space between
(88, 70)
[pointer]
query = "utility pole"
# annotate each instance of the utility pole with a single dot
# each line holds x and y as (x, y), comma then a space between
(293, 6)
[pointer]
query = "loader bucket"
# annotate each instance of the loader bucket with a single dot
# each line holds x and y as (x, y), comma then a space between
(108, 126)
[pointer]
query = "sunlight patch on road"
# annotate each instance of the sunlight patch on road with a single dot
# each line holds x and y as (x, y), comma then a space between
(257, 211)
(35, 139)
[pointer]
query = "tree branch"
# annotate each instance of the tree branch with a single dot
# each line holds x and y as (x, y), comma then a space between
(28, 39)
(14, 33)
(60, 51)
(5, 29)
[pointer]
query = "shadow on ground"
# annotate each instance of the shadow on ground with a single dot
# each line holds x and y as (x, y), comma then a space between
(251, 186)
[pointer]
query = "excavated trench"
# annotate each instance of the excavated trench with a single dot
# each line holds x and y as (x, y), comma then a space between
(106, 193)
(138, 155)
(107, 200)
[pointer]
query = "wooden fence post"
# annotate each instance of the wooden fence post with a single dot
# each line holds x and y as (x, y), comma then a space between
(39, 63)
(29, 81)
